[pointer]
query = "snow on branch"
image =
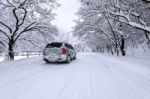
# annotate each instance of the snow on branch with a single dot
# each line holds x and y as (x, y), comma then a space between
(127, 21)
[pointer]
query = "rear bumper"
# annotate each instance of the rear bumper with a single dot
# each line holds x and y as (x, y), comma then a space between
(61, 58)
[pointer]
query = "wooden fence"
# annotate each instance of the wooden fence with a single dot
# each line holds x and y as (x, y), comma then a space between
(26, 53)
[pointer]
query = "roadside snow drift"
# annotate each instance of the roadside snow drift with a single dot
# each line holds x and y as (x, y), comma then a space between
(91, 76)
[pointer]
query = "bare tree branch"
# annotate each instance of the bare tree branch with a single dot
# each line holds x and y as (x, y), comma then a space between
(10, 3)
(5, 34)
(10, 30)
(27, 29)
(1, 43)
(23, 3)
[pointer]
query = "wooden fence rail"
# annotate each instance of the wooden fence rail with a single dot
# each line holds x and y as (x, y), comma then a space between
(25, 53)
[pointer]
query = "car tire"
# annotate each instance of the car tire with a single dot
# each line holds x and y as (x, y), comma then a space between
(68, 59)
(46, 61)
(75, 57)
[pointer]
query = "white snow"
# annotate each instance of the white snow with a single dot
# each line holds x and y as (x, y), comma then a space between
(91, 76)
(17, 57)
(1, 59)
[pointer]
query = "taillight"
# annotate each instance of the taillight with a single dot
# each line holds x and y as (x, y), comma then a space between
(64, 51)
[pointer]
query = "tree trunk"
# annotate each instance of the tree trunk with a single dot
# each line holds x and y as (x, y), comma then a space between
(10, 50)
(122, 46)
(111, 50)
(108, 48)
(117, 51)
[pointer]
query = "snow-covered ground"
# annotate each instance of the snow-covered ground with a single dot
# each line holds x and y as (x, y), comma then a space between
(1, 59)
(17, 57)
(91, 76)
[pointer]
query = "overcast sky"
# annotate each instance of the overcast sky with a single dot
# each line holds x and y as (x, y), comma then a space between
(66, 14)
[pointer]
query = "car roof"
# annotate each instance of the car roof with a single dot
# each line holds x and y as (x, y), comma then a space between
(56, 42)
(60, 42)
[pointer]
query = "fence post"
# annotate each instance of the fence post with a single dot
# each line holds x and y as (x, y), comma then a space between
(39, 53)
(27, 54)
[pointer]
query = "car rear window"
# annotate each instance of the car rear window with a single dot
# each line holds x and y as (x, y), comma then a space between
(54, 44)
(69, 46)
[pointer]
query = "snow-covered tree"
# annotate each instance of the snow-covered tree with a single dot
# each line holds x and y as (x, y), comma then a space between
(25, 21)
(114, 23)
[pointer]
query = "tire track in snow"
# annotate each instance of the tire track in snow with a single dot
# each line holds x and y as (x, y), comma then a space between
(132, 74)
(125, 87)
(108, 74)
(107, 84)
(31, 75)
(134, 77)
(131, 84)
(19, 70)
(19, 86)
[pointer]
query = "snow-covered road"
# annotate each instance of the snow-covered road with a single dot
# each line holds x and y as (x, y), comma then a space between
(91, 76)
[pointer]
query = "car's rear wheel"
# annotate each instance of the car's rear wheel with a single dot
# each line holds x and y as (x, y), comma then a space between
(68, 59)
(46, 61)
(75, 56)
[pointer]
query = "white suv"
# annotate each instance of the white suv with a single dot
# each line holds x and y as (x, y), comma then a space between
(59, 52)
